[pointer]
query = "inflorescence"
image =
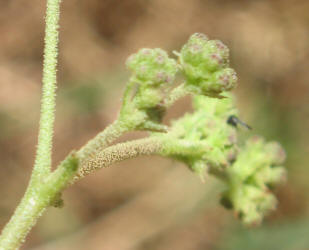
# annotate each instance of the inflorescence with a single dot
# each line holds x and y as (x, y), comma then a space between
(205, 140)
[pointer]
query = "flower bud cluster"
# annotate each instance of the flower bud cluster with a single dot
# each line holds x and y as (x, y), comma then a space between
(256, 169)
(205, 64)
(153, 72)
(207, 126)
(205, 141)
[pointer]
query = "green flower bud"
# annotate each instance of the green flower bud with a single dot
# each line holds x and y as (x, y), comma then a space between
(253, 171)
(222, 80)
(205, 63)
(222, 140)
(269, 176)
(207, 125)
(275, 152)
(252, 204)
(204, 55)
(148, 97)
(152, 67)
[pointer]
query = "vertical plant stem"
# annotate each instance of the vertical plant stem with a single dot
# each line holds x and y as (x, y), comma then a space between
(41, 189)
(21, 222)
(34, 204)
(42, 163)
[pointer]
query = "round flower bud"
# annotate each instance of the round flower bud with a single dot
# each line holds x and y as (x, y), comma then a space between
(192, 51)
(205, 65)
(216, 55)
(220, 81)
(252, 203)
(275, 152)
(152, 67)
(269, 176)
(201, 56)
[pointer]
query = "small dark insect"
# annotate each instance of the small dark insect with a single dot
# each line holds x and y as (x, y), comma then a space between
(234, 121)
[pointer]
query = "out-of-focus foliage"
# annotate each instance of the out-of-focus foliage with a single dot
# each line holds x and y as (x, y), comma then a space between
(142, 204)
(280, 236)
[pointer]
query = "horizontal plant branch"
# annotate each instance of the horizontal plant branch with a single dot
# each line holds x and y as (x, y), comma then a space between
(118, 153)
(101, 140)
(155, 145)
(124, 123)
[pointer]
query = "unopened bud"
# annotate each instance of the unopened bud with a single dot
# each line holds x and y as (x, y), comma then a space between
(205, 64)
(276, 152)
(223, 80)
(152, 67)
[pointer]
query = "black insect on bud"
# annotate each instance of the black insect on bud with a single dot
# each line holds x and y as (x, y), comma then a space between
(234, 121)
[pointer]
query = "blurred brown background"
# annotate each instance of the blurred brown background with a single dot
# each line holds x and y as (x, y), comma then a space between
(153, 203)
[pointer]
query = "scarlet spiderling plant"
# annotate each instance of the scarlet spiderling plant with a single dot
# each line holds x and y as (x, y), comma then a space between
(205, 140)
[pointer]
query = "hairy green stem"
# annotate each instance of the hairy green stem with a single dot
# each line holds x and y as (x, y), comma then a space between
(127, 95)
(42, 163)
(154, 145)
(24, 218)
(118, 153)
(103, 139)
(41, 194)
(35, 201)
(177, 93)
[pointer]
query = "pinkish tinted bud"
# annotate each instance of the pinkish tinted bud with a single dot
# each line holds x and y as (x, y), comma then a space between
(276, 152)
